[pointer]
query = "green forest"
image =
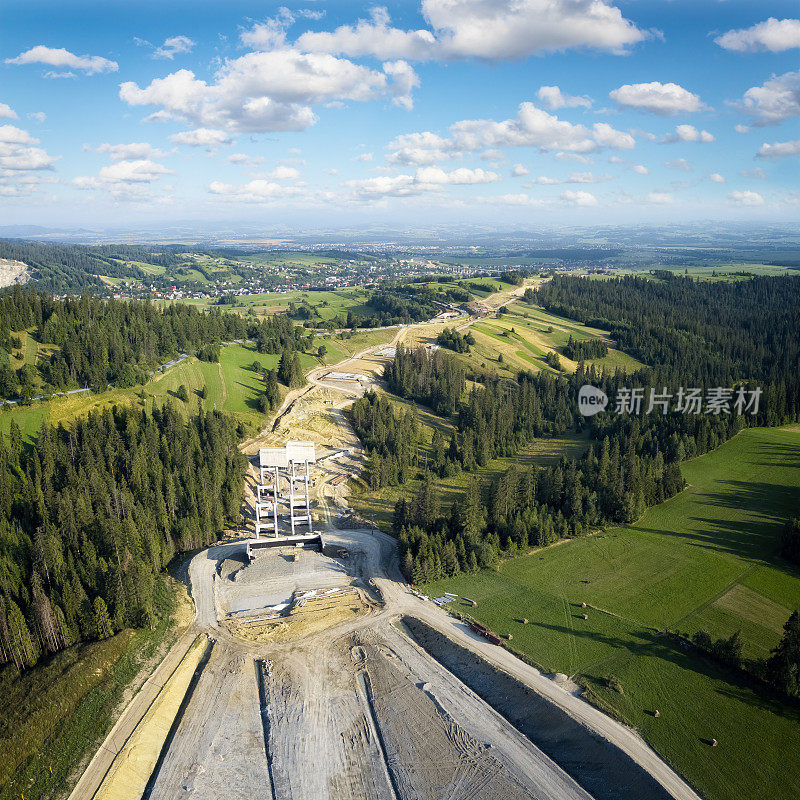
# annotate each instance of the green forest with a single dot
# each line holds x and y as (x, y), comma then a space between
(61, 268)
(97, 342)
(91, 514)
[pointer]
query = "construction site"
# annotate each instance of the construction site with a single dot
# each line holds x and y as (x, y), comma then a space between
(312, 670)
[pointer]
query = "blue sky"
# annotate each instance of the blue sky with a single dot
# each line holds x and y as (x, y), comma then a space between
(484, 112)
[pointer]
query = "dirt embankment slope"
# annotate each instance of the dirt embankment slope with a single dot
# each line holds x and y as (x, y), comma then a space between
(600, 767)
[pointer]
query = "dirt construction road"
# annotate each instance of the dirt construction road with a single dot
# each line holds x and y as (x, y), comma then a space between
(358, 711)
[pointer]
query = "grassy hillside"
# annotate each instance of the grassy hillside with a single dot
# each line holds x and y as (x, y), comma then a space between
(231, 385)
(707, 558)
(326, 304)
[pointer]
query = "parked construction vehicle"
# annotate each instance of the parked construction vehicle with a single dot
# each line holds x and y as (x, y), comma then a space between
(484, 631)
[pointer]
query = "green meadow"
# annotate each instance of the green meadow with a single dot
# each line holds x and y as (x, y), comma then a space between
(707, 558)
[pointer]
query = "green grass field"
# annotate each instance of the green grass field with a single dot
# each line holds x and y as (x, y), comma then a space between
(525, 334)
(707, 558)
(326, 304)
(231, 385)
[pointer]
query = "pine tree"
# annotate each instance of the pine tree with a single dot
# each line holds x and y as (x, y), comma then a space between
(101, 621)
(783, 666)
(21, 646)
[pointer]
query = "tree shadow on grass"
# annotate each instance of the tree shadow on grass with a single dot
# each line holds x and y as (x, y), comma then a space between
(755, 535)
(772, 500)
(652, 643)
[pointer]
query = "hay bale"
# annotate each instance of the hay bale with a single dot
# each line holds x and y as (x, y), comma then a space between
(713, 742)
(583, 605)
(586, 616)
(510, 636)
(656, 713)
(525, 621)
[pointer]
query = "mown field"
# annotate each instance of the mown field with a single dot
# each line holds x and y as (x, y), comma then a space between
(707, 558)
(522, 336)
(325, 304)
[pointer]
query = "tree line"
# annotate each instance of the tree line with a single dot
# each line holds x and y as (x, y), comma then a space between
(390, 441)
(98, 342)
(433, 378)
(92, 513)
(584, 349)
(631, 463)
(713, 333)
(71, 268)
(780, 670)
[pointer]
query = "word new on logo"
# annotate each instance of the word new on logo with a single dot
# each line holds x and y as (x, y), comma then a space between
(591, 400)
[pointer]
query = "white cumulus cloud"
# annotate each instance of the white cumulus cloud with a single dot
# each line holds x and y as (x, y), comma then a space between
(485, 29)
(532, 127)
(202, 137)
(773, 35)
(138, 171)
(574, 177)
(659, 198)
(242, 159)
(283, 173)
(715, 177)
(680, 164)
(173, 46)
(269, 91)
(665, 99)
(19, 154)
(6, 112)
(779, 149)
(372, 37)
(554, 98)
(503, 29)
(133, 151)
(579, 198)
(260, 190)
(425, 179)
(688, 133)
(776, 100)
(746, 198)
(59, 57)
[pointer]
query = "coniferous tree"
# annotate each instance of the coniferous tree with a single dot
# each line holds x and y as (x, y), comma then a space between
(783, 666)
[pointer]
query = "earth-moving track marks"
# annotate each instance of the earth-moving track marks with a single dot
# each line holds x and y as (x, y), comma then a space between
(429, 756)
(217, 749)
(263, 674)
(365, 695)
